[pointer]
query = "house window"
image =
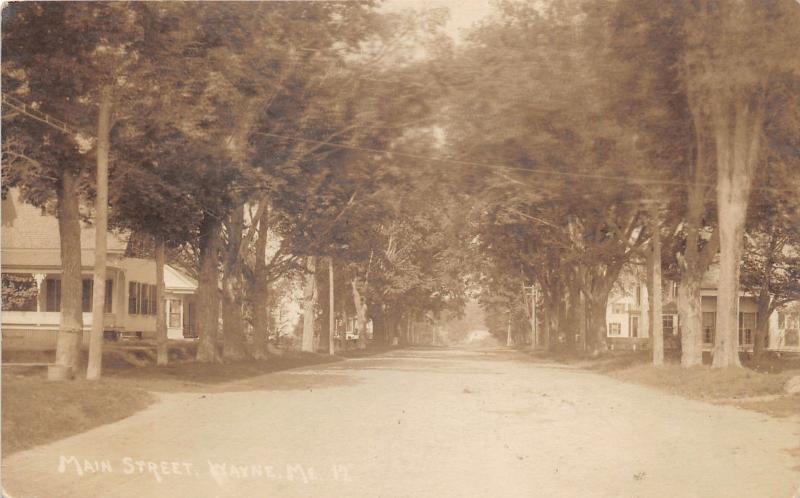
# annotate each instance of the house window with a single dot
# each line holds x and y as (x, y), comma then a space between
(109, 306)
(792, 338)
(638, 295)
(20, 292)
(133, 298)
(141, 299)
(175, 309)
(747, 325)
(144, 299)
(188, 324)
(709, 326)
(53, 295)
(668, 324)
(88, 295)
(781, 320)
(634, 326)
(614, 328)
(618, 308)
(792, 320)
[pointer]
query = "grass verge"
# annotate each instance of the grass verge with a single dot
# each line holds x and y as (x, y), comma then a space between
(36, 411)
(757, 386)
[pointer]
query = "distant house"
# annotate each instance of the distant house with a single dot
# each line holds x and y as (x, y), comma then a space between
(179, 306)
(627, 322)
(30, 257)
(626, 315)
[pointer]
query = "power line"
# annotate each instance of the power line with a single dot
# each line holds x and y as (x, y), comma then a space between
(38, 115)
(62, 126)
(506, 167)
(493, 166)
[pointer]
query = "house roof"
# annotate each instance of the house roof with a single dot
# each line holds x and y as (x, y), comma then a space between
(710, 277)
(31, 235)
(49, 259)
(178, 282)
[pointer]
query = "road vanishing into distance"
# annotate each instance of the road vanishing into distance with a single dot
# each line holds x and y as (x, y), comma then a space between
(421, 423)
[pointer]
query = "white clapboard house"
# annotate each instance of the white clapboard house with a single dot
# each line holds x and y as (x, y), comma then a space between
(31, 260)
(626, 315)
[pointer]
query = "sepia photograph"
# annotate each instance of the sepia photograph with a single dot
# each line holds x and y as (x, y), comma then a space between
(400, 249)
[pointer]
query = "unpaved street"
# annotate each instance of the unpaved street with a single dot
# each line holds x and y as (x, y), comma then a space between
(421, 423)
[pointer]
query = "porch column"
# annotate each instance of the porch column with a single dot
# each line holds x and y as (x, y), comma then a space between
(39, 278)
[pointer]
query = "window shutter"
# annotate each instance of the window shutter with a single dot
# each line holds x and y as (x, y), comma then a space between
(86, 294)
(133, 296)
(109, 296)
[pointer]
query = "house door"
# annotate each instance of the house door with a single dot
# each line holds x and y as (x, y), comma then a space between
(634, 326)
(189, 329)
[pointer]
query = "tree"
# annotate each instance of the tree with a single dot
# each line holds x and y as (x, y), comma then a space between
(733, 53)
(37, 38)
(575, 148)
(771, 257)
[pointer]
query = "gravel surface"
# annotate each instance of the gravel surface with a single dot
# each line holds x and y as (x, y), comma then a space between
(422, 423)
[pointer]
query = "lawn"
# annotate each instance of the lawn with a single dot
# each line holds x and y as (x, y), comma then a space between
(757, 386)
(35, 411)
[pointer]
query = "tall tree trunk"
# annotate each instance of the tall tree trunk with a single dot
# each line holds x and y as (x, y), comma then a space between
(762, 323)
(690, 316)
(261, 290)
(561, 318)
(95, 364)
(583, 314)
(392, 321)
(162, 356)
(309, 302)
(534, 332)
(738, 127)
(378, 328)
(693, 263)
(234, 341)
(70, 329)
(651, 317)
(208, 301)
(546, 333)
(597, 325)
(726, 348)
(597, 287)
(597, 301)
(509, 341)
(571, 326)
(361, 315)
(323, 290)
(331, 310)
(655, 269)
(765, 308)
(689, 309)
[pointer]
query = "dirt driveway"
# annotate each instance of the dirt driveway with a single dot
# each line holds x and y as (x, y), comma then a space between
(422, 423)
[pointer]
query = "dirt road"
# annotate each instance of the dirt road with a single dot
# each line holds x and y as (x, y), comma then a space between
(422, 423)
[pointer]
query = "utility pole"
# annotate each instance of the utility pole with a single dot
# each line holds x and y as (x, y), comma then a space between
(531, 312)
(331, 318)
(509, 342)
(535, 338)
(655, 268)
(95, 363)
